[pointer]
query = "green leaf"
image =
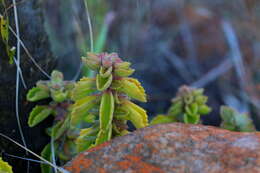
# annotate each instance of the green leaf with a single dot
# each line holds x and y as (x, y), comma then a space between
(81, 107)
(106, 110)
(161, 119)
(132, 88)
(233, 120)
(86, 138)
(104, 135)
(47, 154)
(103, 83)
(204, 109)
(121, 113)
(90, 118)
(176, 108)
(137, 115)
(194, 108)
(38, 114)
(124, 72)
(11, 53)
(83, 88)
(105, 72)
(201, 99)
(4, 27)
(188, 119)
(37, 93)
(59, 95)
(5, 167)
(59, 128)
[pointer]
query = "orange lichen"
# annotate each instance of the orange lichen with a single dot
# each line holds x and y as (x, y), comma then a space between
(98, 147)
(79, 163)
(124, 164)
(101, 170)
(141, 167)
(138, 148)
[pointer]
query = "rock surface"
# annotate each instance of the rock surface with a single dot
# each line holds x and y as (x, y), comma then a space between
(173, 148)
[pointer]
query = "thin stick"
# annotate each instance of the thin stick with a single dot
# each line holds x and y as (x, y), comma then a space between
(90, 27)
(29, 54)
(36, 155)
(23, 158)
(18, 80)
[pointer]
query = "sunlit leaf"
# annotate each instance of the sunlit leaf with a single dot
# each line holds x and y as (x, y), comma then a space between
(137, 115)
(37, 93)
(86, 138)
(132, 88)
(59, 128)
(191, 119)
(105, 72)
(59, 95)
(81, 107)
(103, 83)
(104, 135)
(83, 88)
(123, 70)
(38, 114)
(204, 109)
(106, 110)
(5, 167)
(176, 108)
(162, 119)
(4, 24)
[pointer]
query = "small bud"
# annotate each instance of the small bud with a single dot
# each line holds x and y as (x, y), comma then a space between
(58, 95)
(56, 77)
(92, 61)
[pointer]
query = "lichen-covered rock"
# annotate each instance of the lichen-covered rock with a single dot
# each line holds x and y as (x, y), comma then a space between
(173, 148)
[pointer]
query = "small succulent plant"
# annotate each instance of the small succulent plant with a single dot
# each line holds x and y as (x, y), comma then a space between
(235, 121)
(59, 92)
(104, 102)
(5, 167)
(187, 107)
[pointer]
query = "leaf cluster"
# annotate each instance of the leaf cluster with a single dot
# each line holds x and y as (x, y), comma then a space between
(58, 92)
(187, 107)
(235, 121)
(105, 100)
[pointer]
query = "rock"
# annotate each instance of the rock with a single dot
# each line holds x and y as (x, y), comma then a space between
(173, 148)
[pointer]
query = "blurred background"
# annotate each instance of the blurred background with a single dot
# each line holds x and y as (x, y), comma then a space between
(201, 43)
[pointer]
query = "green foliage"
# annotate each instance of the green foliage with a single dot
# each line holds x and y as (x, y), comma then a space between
(5, 167)
(46, 154)
(187, 107)
(235, 121)
(59, 92)
(104, 101)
